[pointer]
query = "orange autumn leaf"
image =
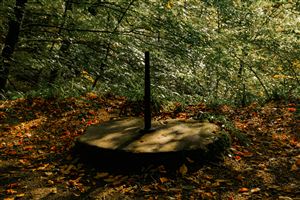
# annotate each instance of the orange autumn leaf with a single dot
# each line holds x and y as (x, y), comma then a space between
(294, 168)
(292, 109)
(241, 190)
(11, 191)
(28, 148)
(163, 179)
(237, 158)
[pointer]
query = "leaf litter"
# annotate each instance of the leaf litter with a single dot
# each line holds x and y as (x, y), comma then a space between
(37, 137)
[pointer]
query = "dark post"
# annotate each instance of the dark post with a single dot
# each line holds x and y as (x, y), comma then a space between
(147, 95)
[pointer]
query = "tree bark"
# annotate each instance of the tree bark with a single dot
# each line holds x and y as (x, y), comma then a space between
(11, 41)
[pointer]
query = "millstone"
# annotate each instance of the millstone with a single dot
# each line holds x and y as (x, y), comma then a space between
(169, 136)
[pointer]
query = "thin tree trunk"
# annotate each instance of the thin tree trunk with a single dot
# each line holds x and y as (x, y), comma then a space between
(11, 41)
(65, 45)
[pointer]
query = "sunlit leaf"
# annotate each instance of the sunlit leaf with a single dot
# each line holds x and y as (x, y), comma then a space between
(255, 190)
(11, 191)
(242, 190)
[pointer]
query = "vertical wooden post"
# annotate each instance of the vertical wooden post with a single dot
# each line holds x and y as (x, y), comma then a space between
(147, 94)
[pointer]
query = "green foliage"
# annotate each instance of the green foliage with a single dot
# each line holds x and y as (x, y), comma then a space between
(213, 51)
(220, 147)
(226, 124)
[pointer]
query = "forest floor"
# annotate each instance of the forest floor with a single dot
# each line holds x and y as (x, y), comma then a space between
(37, 159)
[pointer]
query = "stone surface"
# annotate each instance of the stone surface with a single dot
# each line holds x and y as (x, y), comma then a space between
(169, 136)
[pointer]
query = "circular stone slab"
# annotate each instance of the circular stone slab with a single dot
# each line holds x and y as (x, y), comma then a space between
(169, 136)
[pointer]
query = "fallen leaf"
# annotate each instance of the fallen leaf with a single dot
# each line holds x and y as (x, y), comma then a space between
(23, 161)
(240, 177)
(183, 170)
(12, 152)
(207, 195)
(248, 154)
(162, 188)
(189, 160)
(292, 109)
(20, 195)
(294, 168)
(100, 175)
(13, 185)
(237, 158)
(28, 148)
(241, 190)
(146, 188)
(110, 179)
(174, 189)
(44, 166)
(163, 179)
(53, 190)
(254, 190)
(221, 180)
(68, 169)
(48, 173)
(11, 191)
(208, 177)
(284, 198)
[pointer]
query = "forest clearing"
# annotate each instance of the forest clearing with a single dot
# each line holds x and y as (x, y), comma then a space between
(37, 161)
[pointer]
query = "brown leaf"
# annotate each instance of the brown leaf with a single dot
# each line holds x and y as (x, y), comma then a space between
(67, 170)
(183, 170)
(163, 179)
(44, 166)
(247, 154)
(162, 188)
(190, 160)
(284, 198)
(146, 188)
(241, 190)
(208, 177)
(100, 175)
(294, 167)
(110, 179)
(207, 195)
(24, 161)
(13, 185)
(240, 177)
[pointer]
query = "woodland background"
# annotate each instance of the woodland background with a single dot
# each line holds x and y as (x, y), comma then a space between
(68, 64)
(213, 51)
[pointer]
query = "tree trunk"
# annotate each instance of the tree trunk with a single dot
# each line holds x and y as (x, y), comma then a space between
(11, 41)
(65, 44)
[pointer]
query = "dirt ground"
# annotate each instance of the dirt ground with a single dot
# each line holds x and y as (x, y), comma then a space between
(38, 162)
